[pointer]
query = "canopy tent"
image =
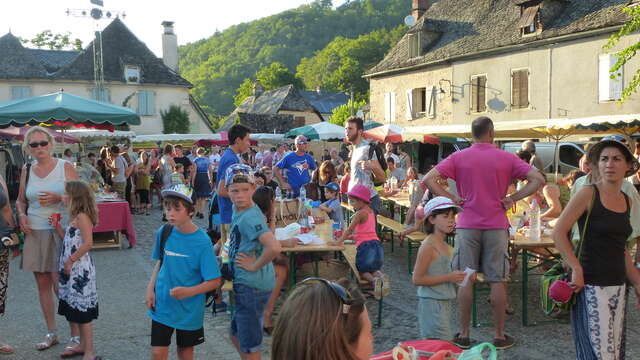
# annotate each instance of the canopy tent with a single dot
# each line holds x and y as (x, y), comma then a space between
(268, 138)
(396, 134)
(319, 131)
(63, 109)
(17, 133)
(176, 137)
(89, 135)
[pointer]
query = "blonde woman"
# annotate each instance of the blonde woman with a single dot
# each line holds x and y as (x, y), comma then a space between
(39, 197)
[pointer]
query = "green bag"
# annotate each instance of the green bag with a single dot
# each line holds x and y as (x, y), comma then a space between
(560, 272)
(479, 351)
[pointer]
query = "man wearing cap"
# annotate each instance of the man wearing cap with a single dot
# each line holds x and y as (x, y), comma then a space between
(363, 166)
(298, 164)
(482, 174)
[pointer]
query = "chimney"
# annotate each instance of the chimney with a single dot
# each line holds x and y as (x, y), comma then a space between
(257, 89)
(169, 46)
(418, 7)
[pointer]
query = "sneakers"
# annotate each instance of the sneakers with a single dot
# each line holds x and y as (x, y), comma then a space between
(502, 344)
(463, 343)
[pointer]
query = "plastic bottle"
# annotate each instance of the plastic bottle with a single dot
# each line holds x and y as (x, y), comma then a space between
(278, 193)
(303, 219)
(337, 231)
(534, 221)
(303, 194)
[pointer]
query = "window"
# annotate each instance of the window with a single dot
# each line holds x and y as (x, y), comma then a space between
(389, 107)
(413, 42)
(529, 19)
(105, 96)
(298, 121)
(610, 86)
(520, 89)
(479, 93)
(146, 102)
(20, 92)
(570, 155)
(132, 74)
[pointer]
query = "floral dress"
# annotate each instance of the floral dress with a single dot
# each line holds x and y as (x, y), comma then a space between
(78, 297)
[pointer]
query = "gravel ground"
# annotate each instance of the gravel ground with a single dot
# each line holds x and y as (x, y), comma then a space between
(122, 331)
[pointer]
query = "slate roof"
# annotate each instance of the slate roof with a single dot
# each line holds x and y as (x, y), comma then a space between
(325, 101)
(119, 45)
(453, 28)
(286, 98)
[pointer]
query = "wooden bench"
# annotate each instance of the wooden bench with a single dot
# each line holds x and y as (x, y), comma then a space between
(349, 254)
(391, 226)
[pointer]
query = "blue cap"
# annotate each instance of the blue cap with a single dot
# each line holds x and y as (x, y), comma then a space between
(615, 137)
(332, 186)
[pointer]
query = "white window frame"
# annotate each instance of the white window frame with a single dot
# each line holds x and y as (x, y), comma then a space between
(390, 107)
(486, 105)
(609, 89)
(128, 76)
(528, 89)
(28, 88)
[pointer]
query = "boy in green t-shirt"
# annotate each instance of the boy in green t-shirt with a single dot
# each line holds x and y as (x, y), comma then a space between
(252, 247)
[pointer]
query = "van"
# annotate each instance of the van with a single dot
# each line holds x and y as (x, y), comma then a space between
(430, 155)
(569, 155)
(11, 162)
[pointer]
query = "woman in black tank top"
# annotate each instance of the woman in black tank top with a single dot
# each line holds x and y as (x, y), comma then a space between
(599, 275)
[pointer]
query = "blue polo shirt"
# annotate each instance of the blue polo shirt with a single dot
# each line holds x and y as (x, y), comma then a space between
(188, 260)
(226, 207)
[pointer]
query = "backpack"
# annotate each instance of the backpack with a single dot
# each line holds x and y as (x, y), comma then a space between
(166, 231)
(377, 149)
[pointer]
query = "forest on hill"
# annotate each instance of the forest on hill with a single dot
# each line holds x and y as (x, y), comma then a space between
(314, 45)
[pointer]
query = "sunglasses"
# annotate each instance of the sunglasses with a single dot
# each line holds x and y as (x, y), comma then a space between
(337, 289)
(36, 144)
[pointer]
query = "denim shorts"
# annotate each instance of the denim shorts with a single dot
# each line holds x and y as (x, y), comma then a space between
(369, 256)
(246, 324)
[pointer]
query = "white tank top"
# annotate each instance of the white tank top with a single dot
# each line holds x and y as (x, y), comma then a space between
(54, 182)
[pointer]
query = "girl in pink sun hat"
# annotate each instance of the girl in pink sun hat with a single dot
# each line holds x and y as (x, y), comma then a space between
(369, 255)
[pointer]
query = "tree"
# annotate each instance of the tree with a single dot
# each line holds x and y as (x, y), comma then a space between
(630, 27)
(53, 41)
(271, 77)
(341, 113)
(175, 120)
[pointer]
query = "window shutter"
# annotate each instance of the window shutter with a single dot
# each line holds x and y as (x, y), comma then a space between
(474, 94)
(20, 92)
(616, 85)
(482, 91)
(142, 102)
(409, 104)
(432, 94)
(387, 110)
(603, 77)
(151, 103)
(392, 106)
(515, 89)
(524, 88)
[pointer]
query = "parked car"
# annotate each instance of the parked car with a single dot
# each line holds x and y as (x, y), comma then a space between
(569, 155)
(429, 155)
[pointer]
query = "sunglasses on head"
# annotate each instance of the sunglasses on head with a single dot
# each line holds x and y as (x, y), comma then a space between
(337, 289)
(36, 144)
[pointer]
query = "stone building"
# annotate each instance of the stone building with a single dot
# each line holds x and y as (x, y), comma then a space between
(134, 76)
(507, 59)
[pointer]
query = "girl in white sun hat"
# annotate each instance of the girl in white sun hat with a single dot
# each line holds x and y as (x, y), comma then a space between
(432, 273)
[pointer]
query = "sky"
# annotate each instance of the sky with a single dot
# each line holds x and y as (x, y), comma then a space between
(194, 19)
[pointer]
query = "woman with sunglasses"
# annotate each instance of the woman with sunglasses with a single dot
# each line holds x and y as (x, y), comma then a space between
(325, 174)
(341, 327)
(40, 195)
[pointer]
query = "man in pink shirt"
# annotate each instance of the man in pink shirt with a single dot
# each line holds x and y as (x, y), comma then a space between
(482, 174)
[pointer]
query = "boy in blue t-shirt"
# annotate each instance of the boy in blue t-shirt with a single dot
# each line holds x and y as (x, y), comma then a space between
(252, 247)
(299, 165)
(332, 206)
(184, 273)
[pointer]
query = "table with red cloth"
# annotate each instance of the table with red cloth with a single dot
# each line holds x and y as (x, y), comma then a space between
(116, 216)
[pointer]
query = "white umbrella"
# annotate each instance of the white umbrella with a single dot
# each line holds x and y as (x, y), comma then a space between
(319, 131)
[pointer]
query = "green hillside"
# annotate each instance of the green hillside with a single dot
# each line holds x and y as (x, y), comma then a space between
(218, 65)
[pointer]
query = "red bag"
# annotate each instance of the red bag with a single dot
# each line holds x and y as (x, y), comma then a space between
(437, 349)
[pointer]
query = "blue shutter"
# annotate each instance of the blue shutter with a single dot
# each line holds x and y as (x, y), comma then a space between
(20, 92)
(142, 102)
(151, 103)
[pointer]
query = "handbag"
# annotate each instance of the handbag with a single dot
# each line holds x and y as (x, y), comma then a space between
(559, 275)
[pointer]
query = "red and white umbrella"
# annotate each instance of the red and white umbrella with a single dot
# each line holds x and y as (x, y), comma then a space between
(397, 134)
(17, 133)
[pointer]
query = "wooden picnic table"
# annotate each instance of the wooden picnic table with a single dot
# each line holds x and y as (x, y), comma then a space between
(402, 200)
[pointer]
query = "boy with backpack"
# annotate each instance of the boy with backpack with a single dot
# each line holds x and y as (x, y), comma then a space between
(186, 269)
(252, 247)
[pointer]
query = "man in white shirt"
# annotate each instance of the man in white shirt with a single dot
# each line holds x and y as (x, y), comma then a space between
(390, 154)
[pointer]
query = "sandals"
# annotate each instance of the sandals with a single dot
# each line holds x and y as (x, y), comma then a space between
(6, 349)
(72, 350)
(49, 340)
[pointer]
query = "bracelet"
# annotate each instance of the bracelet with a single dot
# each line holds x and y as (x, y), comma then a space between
(21, 214)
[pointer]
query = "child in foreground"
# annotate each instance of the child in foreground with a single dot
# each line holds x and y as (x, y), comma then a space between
(370, 255)
(184, 272)
(252, 248)
(432, 272)
(77, 294)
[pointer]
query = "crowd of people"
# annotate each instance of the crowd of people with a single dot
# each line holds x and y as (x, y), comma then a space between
(469, 195)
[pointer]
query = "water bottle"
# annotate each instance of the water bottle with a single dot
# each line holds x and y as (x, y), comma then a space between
(534, 221)
(278, 193)
(303, 219)
(303, 194)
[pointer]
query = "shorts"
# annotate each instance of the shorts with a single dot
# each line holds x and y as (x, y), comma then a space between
(41, 251)
(161, 336)
(435, 318)
(246, 324)
(369, 256)
(144, 196)
(483, 250)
